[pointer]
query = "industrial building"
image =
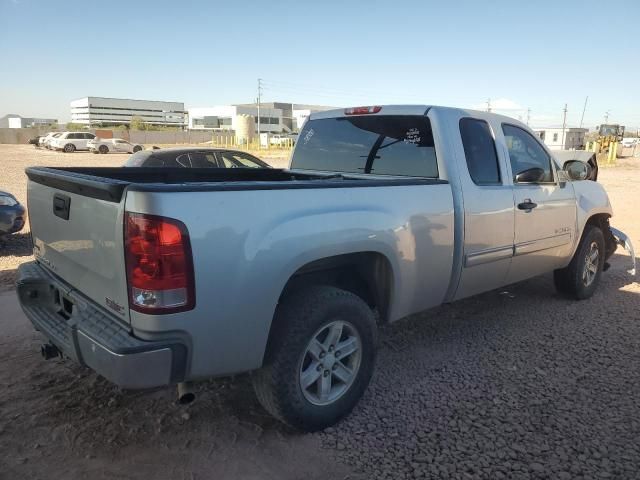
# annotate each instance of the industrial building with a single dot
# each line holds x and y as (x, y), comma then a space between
(16, 121)
(275, 117)
(557, 138)
(102, 111)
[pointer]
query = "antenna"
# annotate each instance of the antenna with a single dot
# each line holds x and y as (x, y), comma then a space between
(489, 105)
(583, 110)
(528, 115)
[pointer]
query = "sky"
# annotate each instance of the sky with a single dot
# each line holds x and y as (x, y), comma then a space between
(521, 55)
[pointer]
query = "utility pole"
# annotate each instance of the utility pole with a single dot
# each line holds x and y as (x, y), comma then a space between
(259, 101)
(583, 110)
(528, 115)
(564, 124)
(606, 116)
(489, 105)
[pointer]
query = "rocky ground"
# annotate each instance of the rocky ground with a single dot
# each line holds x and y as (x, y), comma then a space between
(519, 383)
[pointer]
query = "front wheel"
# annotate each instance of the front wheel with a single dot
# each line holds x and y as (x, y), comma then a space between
(103, 149)
(321, 355)
(581, 277)
(69, 148)
(137, 148)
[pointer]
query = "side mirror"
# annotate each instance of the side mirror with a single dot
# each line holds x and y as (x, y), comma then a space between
(531, 175)
(577, 170)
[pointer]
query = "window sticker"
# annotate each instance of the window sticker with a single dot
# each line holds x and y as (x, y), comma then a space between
(308, 136)
(412, 136)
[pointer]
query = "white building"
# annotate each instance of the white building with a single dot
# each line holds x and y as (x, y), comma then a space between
(275, 117)
(101, 111)
(556, 139)
(225, 117)
(16, 121)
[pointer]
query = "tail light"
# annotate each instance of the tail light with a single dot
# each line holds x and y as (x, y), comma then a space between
(362, 110)
(159, 264)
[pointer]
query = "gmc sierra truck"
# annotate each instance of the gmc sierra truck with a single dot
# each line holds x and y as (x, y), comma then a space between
(164, 276)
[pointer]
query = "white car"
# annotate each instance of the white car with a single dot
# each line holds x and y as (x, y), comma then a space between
(106, 145)
(72, 141)
(46, 140)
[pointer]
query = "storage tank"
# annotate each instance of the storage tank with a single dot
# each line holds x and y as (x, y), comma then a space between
(245, 129)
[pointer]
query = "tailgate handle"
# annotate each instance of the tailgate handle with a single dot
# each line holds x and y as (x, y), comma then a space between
(61, 205)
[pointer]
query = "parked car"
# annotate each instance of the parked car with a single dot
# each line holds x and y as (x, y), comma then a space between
(117, 145)
(45, 141)
(383, 212)
(194, 157)
(35, 140)
(11, 214)
(72, 141)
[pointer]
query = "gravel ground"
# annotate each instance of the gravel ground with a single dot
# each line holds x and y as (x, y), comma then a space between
(520, 384)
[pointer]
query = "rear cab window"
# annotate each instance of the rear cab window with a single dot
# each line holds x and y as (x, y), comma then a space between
(480, 151)
(399, 145)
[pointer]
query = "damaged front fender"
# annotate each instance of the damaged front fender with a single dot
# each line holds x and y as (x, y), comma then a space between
(623, 240)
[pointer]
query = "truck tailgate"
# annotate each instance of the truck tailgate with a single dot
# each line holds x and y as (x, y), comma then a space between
(80, 239)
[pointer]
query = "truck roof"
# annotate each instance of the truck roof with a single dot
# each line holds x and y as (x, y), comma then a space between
(417, 110)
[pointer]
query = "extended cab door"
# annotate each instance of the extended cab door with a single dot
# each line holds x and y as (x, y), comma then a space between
(488, 208)
(545, 213)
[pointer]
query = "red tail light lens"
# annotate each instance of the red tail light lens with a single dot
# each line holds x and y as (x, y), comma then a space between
(159, 264)
(362, 110)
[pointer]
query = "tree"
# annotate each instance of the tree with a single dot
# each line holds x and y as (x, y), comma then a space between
(137, 123)
(75, 126)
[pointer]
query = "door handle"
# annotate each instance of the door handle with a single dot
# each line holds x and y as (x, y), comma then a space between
(527, 205)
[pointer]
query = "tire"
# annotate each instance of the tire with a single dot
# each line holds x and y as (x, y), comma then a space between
(103, 149)
(578, 279)
(137, 148)
(303, 316)
(69, 148)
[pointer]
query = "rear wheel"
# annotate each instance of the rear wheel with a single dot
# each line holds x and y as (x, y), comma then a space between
(103, 149)
(321, 357)
(137, 148)
(581, 277)
(69, 148)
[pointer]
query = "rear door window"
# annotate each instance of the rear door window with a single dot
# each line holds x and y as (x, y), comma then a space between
(203, 160)
(480, 151)
(381, 145)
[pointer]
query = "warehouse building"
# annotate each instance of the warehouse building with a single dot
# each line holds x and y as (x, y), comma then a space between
(102, 111)
(16, 121)
(557, 138)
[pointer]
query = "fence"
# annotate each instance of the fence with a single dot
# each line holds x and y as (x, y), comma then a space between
(220, 139)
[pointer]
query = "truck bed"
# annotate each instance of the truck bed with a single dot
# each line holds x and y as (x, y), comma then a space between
(109, 183)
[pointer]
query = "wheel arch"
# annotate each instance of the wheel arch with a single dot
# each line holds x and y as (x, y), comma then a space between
(367, 274)
(601, 221)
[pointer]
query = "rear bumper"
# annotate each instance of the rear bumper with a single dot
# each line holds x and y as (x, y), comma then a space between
(94, 338)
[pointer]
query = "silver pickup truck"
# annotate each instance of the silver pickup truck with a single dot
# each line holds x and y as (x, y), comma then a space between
(154, 277)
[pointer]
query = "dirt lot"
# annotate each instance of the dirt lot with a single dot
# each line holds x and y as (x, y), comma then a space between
(521, 384)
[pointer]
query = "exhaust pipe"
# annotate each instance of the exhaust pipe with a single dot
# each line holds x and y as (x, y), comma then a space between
(186, 394)
(49, 350)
